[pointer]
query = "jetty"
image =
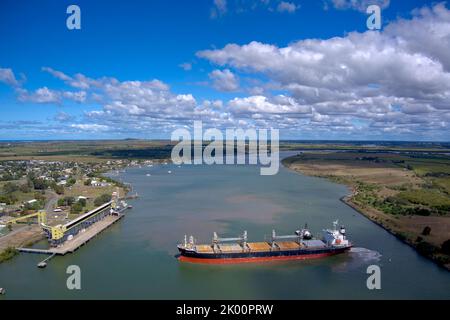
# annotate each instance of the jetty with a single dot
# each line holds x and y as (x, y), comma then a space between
(69, 246)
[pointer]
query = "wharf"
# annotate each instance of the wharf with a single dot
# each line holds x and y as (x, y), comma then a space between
(80, 239)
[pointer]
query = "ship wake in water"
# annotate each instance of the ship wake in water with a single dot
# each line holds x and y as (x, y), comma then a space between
(365, 255)
(358, 258)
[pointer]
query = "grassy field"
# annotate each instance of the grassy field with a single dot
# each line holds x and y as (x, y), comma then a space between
(102, 150)
(90, 192)
(431, 198)
(403, 192)
(85, 151)
(367, 146)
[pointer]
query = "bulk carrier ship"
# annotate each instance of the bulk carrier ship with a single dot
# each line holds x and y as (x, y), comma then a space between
(299, 246)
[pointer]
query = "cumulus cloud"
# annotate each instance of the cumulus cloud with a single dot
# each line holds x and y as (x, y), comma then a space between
(78, 81)
(139, 107)
(78, 96)
(392, 83)
(381, 78)
(46, 95)
(41, 95)
(224, 80)
(260, 104)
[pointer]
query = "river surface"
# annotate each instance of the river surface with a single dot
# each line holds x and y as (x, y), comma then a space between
(134, 259)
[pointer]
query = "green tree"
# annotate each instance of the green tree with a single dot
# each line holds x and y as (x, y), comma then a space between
(66, 201)
(76, 208)
(7, 254)
(6, 177)
(426, 248)
(40, 184)
(39, 196)
(57, 188)
(10, 187)
(25, 188)
(82, 202)
(102, 199)
(8, 199)
(71, 181)
(426, 231)
(30, 182)
(32, 206)
(445, 248)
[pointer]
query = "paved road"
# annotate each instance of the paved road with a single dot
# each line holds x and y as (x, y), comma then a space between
(51, 203)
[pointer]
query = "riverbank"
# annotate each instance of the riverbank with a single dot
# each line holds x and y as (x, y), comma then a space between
(24, 236)
(386, 223)
(366, 181)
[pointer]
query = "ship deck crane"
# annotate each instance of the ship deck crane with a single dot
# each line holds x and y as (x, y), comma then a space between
(242, 240)
(298, 236)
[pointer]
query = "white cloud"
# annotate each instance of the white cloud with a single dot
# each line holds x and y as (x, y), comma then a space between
(385, 78)
(46, 95)
(261, 104)
(78, 96)
(372, 85)
(289, 7)
(219, 8)
(222, 7)
(56, 74)
(7, 76)
(63, 117)
(90, 127)
(186, 66)
(41, 95)
(224, 80)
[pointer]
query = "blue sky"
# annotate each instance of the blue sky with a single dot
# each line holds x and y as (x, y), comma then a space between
(147, 67)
